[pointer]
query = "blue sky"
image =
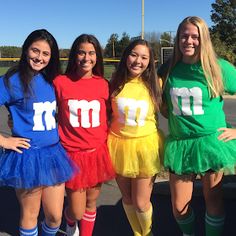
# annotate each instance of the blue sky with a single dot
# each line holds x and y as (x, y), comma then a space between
(66, 19)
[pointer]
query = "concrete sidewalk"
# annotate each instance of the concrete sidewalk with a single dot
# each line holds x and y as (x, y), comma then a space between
(111, 220)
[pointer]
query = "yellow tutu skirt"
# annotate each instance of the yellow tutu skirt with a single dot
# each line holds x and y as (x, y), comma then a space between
(137, 157)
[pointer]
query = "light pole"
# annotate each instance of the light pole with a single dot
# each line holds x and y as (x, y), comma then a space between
(142, 33)
(113, 48)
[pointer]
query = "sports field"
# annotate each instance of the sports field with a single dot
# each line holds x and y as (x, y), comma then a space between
(3, 70)
(108, 69)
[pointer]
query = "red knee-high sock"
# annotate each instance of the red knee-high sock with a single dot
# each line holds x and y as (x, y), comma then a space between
(87, 223)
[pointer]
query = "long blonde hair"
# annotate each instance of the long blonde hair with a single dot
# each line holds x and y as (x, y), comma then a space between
(208, 57)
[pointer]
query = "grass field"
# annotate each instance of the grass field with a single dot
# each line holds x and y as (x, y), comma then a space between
(108, 69)
(3, 70)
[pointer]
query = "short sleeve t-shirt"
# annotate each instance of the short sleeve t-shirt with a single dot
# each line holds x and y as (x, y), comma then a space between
(192, 110)
(82, 113)
(33, 114)
(133, 113)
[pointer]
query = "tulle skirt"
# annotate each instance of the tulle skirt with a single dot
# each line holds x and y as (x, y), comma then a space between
(137, 157)
(198, 155)
(95, 167)
(35, 167)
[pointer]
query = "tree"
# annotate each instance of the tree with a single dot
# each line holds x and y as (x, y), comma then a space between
(122, 44)
(115, 47)
(110, 49)
(153, 39)
(223, 50)
(224, 17)
(64, 53)
(166, 40)
(10, 51)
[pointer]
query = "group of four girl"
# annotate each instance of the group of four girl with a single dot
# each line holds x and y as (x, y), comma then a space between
(36, 165)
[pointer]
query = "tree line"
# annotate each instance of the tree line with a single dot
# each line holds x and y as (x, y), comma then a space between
(223, 34)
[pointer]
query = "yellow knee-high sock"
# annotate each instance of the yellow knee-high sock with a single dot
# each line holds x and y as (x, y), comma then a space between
(145, 220)
(132, 218)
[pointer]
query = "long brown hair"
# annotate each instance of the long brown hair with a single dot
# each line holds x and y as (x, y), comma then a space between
(149, 77)
(25, 72)
(98, 69)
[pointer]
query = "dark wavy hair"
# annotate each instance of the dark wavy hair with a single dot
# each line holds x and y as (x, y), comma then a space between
(25, 71)
(149, 76)
(98, 69)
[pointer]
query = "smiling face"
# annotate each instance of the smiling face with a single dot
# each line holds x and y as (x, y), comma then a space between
(138, 60)
(38, 55)
(189, 43)
(86, 59)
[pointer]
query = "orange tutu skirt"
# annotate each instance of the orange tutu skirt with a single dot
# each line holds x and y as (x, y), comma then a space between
(95, 167)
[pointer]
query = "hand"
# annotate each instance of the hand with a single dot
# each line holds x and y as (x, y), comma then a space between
(227, 134)
(14, 143)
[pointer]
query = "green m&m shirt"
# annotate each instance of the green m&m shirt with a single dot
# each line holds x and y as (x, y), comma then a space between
(192, 110)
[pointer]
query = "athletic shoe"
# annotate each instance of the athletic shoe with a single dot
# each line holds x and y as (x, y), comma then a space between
(72, 231)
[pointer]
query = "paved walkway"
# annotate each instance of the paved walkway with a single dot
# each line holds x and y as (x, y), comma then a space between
(111, 220)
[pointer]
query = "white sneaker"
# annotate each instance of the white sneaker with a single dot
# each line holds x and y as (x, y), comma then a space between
(72, 231)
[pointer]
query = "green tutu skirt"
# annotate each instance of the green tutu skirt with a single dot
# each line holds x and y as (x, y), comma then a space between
(199, 155)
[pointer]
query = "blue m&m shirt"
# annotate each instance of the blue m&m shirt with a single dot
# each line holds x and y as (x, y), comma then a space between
(33, 113)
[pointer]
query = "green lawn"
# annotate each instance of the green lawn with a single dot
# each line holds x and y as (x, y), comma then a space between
(108, 69)
(3, 70)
